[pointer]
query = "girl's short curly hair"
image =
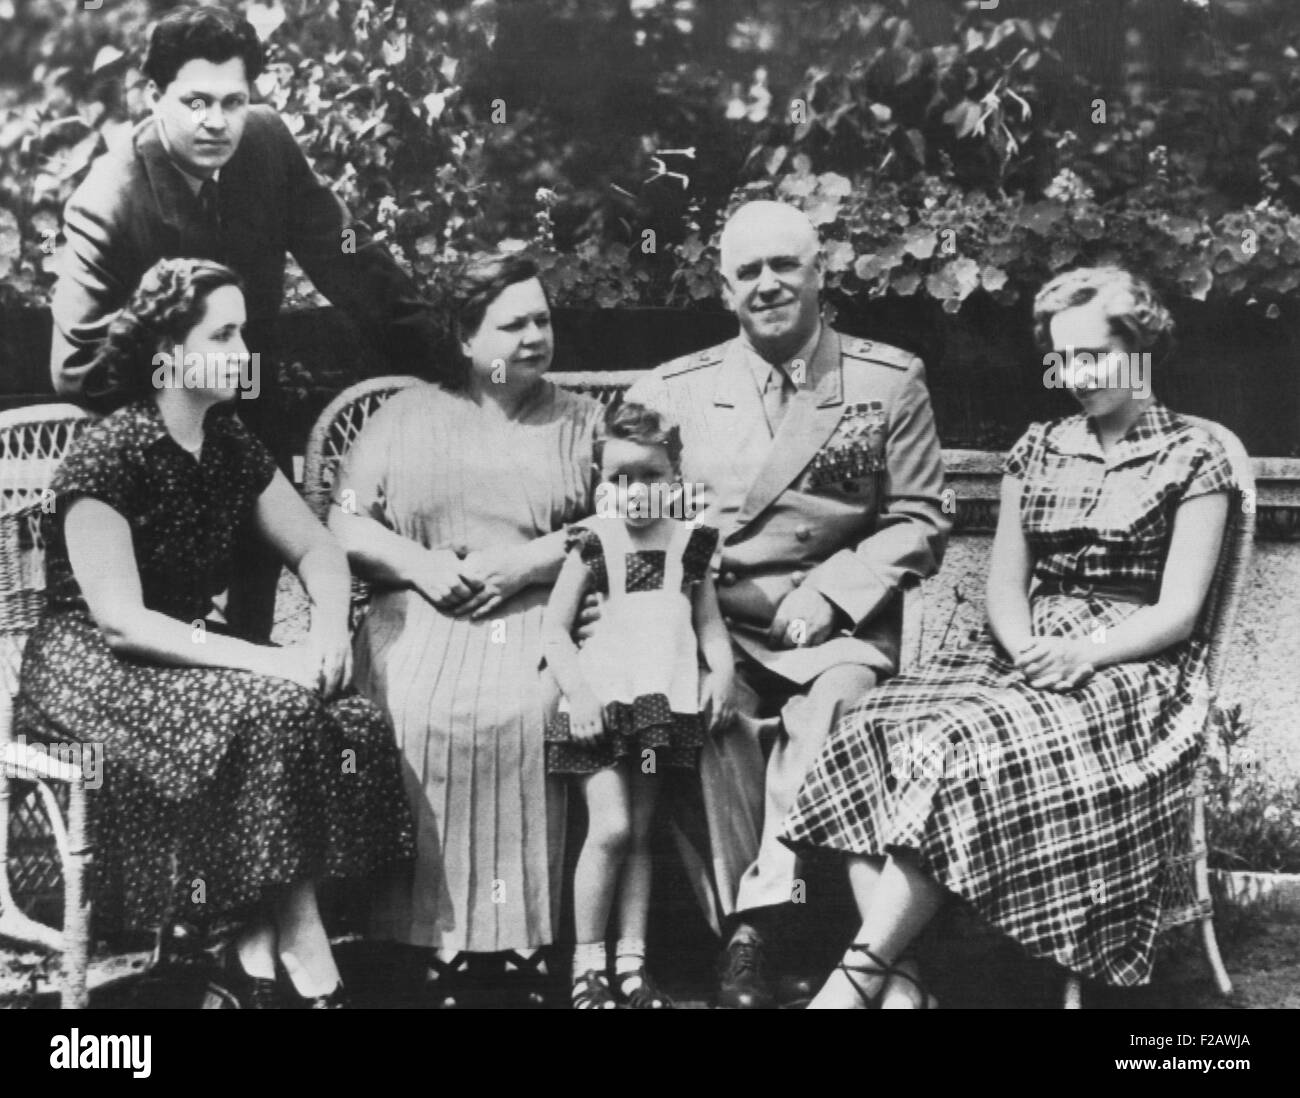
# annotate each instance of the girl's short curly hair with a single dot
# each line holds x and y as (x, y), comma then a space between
(625, 419)
(168, 303)
(1131, 305)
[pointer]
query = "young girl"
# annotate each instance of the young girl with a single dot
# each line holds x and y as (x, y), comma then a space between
(633, 702)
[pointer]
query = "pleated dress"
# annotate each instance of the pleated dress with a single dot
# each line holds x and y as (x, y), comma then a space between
(1049, 812)
(465, 696)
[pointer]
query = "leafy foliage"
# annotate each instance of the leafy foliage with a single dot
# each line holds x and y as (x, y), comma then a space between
(945, 150)
(1252, 822)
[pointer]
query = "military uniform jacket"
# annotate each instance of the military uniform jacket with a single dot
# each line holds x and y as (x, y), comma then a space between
(846, 496)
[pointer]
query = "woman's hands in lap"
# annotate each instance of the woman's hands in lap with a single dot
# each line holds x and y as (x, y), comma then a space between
(442, 582)
(1056, 663)
(321, 664)
(495, 575)
(331, 652)
(296, 663)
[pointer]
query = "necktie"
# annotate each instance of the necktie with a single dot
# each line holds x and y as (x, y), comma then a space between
(775, 398)
(208, 204)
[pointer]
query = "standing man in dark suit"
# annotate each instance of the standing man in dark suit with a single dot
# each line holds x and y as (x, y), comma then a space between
(211, 176)
(815, 456)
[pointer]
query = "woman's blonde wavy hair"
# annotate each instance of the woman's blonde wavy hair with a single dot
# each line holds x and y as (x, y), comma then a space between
(1131, 305)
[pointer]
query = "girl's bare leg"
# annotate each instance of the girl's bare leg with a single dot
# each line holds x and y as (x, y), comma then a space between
(603, 852)
(634, 891)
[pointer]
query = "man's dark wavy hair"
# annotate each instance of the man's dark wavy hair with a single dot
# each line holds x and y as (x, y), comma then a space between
(205, 33)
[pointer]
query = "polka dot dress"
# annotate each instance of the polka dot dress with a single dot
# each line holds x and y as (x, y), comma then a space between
(642, 659)
(218, 785)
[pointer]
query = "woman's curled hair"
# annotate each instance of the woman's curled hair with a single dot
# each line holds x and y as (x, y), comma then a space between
(1130, 304)
(168, 303)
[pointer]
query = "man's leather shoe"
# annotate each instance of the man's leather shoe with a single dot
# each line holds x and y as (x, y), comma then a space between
(795, 988)
(742, 981)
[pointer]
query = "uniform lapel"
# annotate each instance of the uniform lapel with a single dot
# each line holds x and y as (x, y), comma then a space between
(738, 435)
(810, 419)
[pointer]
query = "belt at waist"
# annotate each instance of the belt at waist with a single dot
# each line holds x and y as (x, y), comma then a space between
(1138, 591)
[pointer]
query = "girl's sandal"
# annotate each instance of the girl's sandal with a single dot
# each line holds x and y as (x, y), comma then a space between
(591, 992)
(645, 995)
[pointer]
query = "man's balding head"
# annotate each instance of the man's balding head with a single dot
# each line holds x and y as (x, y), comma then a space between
(772, 270)
(767, 218)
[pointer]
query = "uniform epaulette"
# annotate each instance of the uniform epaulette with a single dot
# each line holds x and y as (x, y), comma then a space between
(710, 357)
(884, 353)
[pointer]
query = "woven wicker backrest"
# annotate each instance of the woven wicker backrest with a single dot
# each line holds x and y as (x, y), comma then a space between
(336, 429)
(342, 420)
(1227, 589)
(338, 426)
(32, 443)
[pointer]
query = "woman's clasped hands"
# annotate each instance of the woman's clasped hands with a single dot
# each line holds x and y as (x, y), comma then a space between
(1056, 663)
(473, 585)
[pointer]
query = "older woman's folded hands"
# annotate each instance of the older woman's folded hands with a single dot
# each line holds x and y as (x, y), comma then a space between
(495, 575)
(439, 579)
(1056, 663)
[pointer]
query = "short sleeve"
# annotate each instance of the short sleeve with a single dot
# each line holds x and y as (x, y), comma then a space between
(1211, 470)
(99, 467)
(586, 543)
(1023, 455)
(256, 465)
(698, 553)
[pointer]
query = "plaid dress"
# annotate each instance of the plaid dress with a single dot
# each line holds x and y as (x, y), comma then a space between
(1048, 812)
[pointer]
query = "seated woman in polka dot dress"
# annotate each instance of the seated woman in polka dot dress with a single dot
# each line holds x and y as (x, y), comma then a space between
(633, 700)
(236, 774)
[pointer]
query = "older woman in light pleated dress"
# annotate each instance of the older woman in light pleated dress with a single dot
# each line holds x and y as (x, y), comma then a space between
(454, 502)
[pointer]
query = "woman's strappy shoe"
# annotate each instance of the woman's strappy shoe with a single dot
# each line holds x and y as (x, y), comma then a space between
(878, 967)
(446, 980)
(338, 999)
(645, 996)
(591, 992)
(235, 989)
(530, 976)
(919, 998)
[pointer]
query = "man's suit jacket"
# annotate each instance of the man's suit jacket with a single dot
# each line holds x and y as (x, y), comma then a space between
(845, 497)
(135, 207)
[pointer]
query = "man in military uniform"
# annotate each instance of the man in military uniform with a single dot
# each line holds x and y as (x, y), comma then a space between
(816, 457)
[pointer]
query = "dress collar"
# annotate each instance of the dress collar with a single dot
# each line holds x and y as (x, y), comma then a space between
(146, 422)
(1147, 435)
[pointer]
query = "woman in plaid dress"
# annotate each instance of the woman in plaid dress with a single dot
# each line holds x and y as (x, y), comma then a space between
(1037, 772)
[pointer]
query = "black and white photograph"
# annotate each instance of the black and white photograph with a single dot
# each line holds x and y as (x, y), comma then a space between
(651, 505)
